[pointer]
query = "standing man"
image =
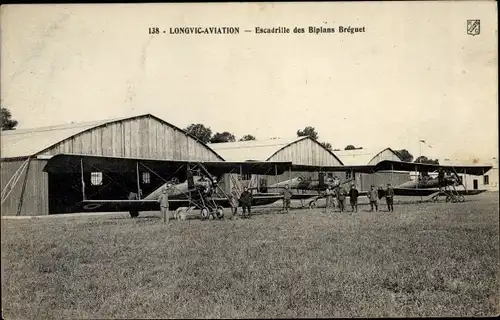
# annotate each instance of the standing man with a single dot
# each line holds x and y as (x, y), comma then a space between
(389, 197)
(373, 196)
(341, 197)
(163, 200)
(440, 179)
(329, 199)
(246, 201)
(287, 197)
(234, 201)
(353, 198)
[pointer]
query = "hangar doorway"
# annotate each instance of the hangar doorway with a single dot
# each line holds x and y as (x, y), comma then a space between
(65, 189)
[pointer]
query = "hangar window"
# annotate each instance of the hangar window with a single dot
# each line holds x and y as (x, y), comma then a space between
(246, 176)
(146, 177)
(96, 178)
(348, 175)
(486, 180)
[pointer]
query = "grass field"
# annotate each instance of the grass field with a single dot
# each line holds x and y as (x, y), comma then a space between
(430, 259)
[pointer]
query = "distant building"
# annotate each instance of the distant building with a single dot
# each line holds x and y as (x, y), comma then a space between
(373, 156)
(24, 153)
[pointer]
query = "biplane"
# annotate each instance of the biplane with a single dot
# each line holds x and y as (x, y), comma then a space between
(446, 184)
(112, 184)
(313, 189)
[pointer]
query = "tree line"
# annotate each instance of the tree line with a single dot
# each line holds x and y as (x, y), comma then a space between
(204, 134)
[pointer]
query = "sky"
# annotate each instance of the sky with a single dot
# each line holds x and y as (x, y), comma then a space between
(414, 74)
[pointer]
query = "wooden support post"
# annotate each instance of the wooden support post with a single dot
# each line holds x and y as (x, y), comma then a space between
(21, 200)
(241, 179)
(83, 179)
(416, 184)
(392, 176)
(465, 180)
(138, 182)
(276, 174)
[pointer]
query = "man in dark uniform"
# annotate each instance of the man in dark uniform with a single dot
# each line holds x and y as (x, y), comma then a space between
(441, 179)
(353, 198)
(246, 202)
(389, 197)
(341, 198)
(373, 196)
(287, 196)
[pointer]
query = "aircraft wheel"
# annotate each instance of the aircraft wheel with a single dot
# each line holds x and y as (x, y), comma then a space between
(204, 213)
(219, 212)
(461, 198)
(448, 198)
(134, 213)
(312, 204)
(182, 215)
(454, 200)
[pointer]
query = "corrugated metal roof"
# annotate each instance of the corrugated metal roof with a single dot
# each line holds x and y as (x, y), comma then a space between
(256, 150)
(359, 156)
(27, 142)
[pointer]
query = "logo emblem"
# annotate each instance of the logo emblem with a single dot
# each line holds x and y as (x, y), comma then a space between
(473, 27)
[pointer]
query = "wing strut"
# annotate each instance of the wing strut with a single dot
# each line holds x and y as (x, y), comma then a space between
(392, 174)
(23, 189)
(276, 174)
(138, 182)
(83, 180)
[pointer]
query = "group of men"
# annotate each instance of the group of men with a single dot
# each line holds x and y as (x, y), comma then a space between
(335, 197)
(245, 198)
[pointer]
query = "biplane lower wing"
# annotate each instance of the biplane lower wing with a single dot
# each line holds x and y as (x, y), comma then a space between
(428, 192)
(125, 205)
(152, 205)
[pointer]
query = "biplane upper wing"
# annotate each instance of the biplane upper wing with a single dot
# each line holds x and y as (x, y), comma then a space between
(425, 167)
(72, 163)
(389, 165)
(355, 168)
(152, 205)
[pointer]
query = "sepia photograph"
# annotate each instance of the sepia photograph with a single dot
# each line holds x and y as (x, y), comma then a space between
(249, 160)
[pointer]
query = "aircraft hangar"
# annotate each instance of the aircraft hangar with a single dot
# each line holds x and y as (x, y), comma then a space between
(28, 190)
(301, 150)
(373, 156)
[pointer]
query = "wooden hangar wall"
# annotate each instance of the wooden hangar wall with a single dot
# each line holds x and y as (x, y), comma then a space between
(381, 178)
(305, 152)
(143, 136)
